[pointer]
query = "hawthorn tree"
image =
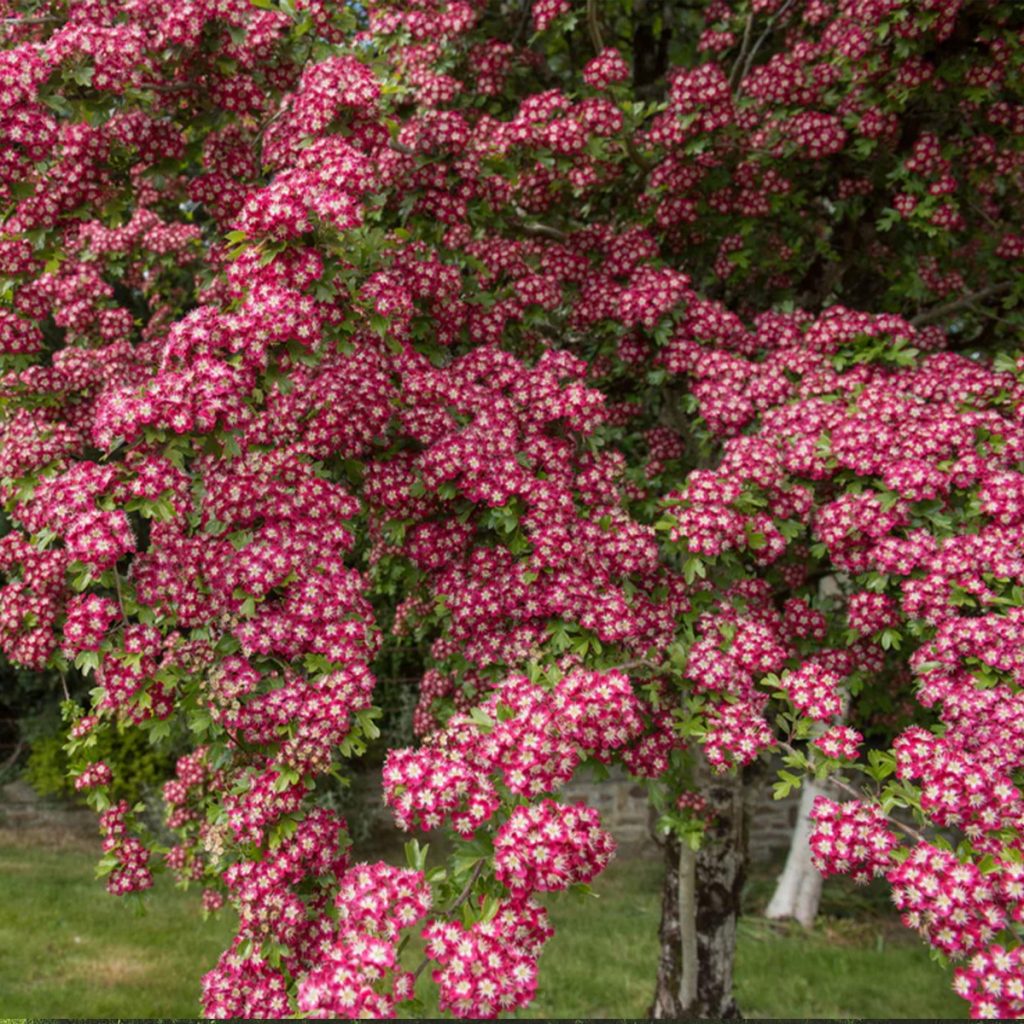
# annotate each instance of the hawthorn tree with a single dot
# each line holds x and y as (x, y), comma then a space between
(577, 342)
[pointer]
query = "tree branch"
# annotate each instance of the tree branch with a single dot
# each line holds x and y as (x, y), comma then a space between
(929, 316)
(170, 87)
(120, 595)
(462, 897)
(637, 157)
(9, 762)
(257, 142)
(524, 21)
(734, 75)
(594, 27)
(859, 794)
(541, 230)
(764, 35)
(467, 889)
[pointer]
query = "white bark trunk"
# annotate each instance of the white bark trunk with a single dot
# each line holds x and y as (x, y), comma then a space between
(798, 891)
(688, 924)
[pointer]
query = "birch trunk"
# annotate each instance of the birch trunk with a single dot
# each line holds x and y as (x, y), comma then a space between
(798, 891)
(700, 908)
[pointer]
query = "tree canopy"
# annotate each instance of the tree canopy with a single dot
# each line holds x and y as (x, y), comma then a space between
(575, 343)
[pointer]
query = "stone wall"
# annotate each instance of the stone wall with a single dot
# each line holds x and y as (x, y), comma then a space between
(621, 801)
(23, 810)
(624, 810)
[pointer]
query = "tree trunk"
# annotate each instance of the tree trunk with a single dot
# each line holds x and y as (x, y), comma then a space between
(669, 983)
(798, 891)
(700, 908)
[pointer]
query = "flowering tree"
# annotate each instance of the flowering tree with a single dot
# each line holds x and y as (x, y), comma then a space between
(578, 342)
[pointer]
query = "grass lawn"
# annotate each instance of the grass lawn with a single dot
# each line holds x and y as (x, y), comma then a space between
(69, 950)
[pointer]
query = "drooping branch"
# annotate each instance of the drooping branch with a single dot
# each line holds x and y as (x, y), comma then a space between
(460, 899)
(637, 157)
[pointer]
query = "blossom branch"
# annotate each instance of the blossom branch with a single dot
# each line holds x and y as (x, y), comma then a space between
(460, 899)
(859, 794)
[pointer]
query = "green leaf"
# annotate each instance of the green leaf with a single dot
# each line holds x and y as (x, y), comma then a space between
(481, 719)
(365, 719)
(881, 764)
(159, 730)
(416, 855)
(693, 568)
(891, 639)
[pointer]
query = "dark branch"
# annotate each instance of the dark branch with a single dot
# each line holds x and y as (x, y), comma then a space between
(594, 26)
(930, 316)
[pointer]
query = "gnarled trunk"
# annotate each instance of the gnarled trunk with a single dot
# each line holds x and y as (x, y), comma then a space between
(700, 908)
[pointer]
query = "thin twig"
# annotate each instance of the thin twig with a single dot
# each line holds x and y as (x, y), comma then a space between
(120, 596)
(170, 87)
(744, 47)
(543, 231)
(14, 757)
(637, 157)
(538, 229)
(524, 20)
(594, 27)
(764, 35)
(462, 897)
(257, 142)
(637, 663)
(929, 316)
(859, 794)
(467, 890)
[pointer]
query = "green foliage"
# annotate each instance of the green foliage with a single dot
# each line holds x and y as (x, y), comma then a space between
(138, 767)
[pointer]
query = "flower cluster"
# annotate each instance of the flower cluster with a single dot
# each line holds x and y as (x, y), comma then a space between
(97, 774)
(359, 976)
(814, 692)
(839, 741)
(491, 966)
(951, 903)
(991, 981)
(852, 839)
(550, 846)
(130, 871)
